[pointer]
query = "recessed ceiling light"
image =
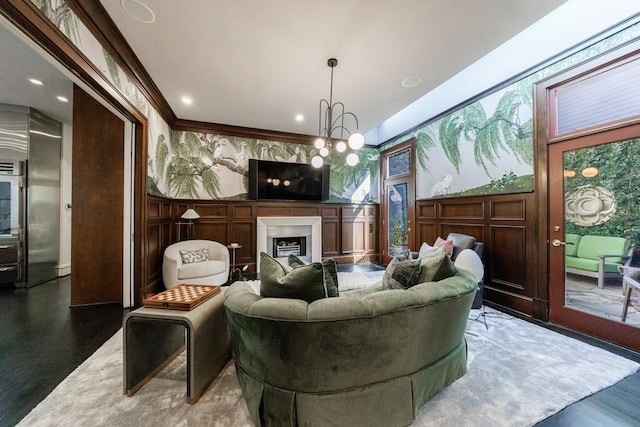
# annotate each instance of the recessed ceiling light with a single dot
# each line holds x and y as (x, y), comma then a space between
(36, 82)
(299, 118)
(138, 11)
(186, 100)
(62, 98)
(411, 81)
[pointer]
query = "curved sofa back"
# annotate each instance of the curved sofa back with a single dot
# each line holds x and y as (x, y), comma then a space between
(359, 338)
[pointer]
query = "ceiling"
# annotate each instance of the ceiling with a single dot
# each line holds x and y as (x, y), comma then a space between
(258, 64)
(19, 63)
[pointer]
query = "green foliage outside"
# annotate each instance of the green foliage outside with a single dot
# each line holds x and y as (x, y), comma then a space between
(618, 165)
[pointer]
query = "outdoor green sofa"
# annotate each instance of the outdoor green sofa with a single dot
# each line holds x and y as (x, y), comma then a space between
(596, 256)
(370, 357)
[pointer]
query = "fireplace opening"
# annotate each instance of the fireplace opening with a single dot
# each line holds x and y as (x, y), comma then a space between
(285, 246)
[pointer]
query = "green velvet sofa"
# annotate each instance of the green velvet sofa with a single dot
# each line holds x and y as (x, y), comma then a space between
(369, 357)
(596, 256)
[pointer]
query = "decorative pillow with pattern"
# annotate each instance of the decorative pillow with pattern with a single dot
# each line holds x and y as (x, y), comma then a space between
(401, 274)
(196, 255)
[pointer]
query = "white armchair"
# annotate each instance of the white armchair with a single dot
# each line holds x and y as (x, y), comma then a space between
(214, 271)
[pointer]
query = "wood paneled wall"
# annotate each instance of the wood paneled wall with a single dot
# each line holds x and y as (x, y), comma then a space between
(349, 232)
(507, 226)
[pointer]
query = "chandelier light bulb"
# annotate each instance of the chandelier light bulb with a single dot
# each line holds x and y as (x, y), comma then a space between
(324, 151)
(316, 161)
(286, 183)
(352, 159)
(356, 141)
(276, 182)
(319, 143)
(341, 147)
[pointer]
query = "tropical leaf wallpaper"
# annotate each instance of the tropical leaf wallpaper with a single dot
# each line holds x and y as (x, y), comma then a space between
(195, 165)
(485, 147)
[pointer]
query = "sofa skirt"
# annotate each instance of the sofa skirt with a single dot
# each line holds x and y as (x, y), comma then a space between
(394, 402)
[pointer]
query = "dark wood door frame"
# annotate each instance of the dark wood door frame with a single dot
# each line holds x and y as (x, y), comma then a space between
(542, 177)
(409, 178)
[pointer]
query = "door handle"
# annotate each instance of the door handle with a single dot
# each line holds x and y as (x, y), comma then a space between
(556, 242)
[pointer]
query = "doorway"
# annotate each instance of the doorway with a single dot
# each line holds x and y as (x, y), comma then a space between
(593, 211)
(398, 201)
(593, 155)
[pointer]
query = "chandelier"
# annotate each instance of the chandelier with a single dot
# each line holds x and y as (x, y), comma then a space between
(333, 128)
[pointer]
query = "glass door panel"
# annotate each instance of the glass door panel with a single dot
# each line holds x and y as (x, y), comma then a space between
(601, 225)
(397, 212)
(594, 228)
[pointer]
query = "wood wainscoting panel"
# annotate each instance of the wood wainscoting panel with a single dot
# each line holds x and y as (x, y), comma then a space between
(154, 249)
(475, 230)
(508, 247)
(354, 235)
(461, 210)
(425, 210)
(330, 212)
(425, 232)
(218, 231)
(242, 211)
(212, 211)
(330, 237)
(244, 233)
(514, 210)
(506, 224)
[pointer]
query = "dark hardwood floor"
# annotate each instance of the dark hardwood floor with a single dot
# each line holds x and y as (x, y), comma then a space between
(42, 340)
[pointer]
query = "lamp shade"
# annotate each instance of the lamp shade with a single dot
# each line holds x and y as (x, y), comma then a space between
(190, 214)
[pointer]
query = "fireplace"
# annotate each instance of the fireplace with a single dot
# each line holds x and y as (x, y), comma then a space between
(283, 236)
(285, 246)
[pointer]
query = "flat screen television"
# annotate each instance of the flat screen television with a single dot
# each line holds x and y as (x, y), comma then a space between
(269, 180)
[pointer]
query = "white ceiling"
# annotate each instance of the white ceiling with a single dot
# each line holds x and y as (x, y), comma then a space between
(19, 62)
(257, 63)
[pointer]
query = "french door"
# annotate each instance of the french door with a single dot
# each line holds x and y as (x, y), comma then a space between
(398, 202)
(593, 190)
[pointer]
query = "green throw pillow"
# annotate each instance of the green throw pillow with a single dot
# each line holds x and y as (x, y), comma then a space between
(436, 266)
(305, 282)
(330, 273)
(401, 274)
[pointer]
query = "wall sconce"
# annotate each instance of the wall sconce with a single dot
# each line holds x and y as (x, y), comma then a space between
(569, 173)
(189, 214)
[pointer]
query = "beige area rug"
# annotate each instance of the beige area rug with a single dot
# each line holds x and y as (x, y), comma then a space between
(518, 374)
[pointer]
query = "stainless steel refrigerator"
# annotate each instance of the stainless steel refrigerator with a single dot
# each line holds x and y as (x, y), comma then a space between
(30, 151)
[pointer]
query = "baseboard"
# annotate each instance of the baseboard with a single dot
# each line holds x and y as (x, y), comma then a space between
(63, 269)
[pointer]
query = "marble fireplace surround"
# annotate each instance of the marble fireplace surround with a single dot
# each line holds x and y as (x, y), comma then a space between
(289, 226)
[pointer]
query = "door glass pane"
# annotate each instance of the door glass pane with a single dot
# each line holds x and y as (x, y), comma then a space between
(399, 163)
(602, 206)
(397, 214)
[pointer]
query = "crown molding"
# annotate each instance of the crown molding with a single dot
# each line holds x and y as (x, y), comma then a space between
(98, 21)
(244, 132)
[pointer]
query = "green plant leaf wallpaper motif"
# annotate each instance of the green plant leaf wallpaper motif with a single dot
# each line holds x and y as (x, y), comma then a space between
(208, 166)
(486, 142)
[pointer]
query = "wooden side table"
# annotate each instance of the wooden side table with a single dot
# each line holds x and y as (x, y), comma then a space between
(234, 270)
(153, 337)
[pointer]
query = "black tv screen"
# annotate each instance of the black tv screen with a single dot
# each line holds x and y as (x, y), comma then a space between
(269, 180)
